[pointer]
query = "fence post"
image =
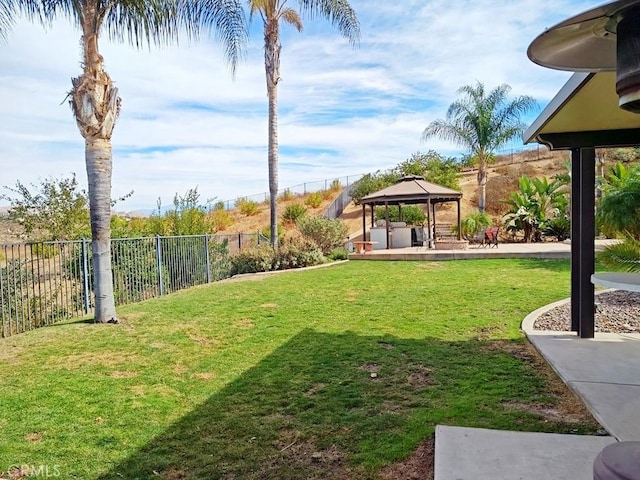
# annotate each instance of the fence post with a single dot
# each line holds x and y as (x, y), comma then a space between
(206, 253)
(159, 264)
(240, 241)
(85, 277)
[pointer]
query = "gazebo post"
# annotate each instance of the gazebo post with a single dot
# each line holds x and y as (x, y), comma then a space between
(433, 215)
(386, 217)
(459, 221)
(364, 222)
(429, 231)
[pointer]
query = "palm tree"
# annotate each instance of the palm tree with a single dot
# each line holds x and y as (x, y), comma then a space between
(482, 122)
(340, 14)
(94, 99)
(6, 10)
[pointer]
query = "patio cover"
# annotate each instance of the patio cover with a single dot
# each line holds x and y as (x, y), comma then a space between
(584, 115)
(411, 190)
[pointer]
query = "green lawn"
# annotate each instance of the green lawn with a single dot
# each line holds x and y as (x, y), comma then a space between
(326, 373)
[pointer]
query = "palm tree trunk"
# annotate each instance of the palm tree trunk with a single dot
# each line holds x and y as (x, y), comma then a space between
(482, 185)
(98, 160)
(272, 69)
(96, 105)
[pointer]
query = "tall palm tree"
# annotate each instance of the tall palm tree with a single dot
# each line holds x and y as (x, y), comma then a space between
(94, 99)
(482, 122)
(340, 14)
(6, 15)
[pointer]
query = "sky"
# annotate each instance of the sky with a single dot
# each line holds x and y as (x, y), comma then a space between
(186, 122)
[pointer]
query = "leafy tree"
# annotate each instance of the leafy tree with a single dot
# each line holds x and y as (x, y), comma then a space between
(482, 122)
(272, 12)
(433, 167)
(95, 101)
(619, 209)
(55, 210)
(372, 182)
(411, 214)
(535, 203)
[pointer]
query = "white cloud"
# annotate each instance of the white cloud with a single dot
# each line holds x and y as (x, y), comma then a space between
(185, 121)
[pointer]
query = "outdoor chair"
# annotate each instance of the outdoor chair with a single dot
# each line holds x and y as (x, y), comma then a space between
(491, 237)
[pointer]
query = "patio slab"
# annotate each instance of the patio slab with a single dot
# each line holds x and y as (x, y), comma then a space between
(480, 454)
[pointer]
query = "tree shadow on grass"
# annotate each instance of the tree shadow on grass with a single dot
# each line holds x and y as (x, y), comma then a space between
(340, 406)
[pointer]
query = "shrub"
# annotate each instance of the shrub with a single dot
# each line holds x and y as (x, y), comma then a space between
(287, 195)
(339, 253)
(559, 227)
(325, 233)
(473, 223)
(220, 219)
(297, 253)
(293, 212)
(247, 207)
(313, 200)
(411, 214)
(335, 186)
(252, 260)
(327, 194)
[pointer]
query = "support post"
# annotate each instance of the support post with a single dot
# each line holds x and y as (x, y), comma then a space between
(459, 221)
(587, 241)
(364, 222)
(583, 164)
(386, 216)
(85, 277)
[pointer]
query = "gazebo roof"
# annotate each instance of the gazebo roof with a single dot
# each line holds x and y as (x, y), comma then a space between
(412, 189)
(585, 113)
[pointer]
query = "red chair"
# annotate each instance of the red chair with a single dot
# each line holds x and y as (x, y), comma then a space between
(491, 237)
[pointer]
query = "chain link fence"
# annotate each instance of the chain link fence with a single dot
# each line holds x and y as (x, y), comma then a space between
(300, 189)
(44, 283)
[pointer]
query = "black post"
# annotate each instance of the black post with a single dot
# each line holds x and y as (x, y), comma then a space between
(364, 222)
(386, 216)
(587, 241)
(575, 239)
(459, 221)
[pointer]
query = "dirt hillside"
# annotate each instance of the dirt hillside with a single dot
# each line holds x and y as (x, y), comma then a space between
(503, 179)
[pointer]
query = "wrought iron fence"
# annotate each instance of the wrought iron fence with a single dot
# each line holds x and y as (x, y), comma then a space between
(43, 283)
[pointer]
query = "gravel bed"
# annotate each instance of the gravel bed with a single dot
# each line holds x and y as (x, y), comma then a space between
(616, 312)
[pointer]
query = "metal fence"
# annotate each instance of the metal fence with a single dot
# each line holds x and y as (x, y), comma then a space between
(300, 189)
(43, 283)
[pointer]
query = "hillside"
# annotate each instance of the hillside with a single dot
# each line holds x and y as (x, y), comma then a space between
(503, 178)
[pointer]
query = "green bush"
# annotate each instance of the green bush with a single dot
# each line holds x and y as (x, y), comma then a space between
(325, 233)
(247, 207)
(411, 214)
(559, 227)
(252, 260)
(339, 253)
(292, 254)
(220, 220)
(294, 212)
(297, 254)
(473, 223)
(313, 200)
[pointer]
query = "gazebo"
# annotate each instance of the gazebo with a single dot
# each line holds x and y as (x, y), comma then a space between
(410, 190)
(596, 108)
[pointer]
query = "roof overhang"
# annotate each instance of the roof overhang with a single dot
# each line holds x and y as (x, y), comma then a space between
(585, 113)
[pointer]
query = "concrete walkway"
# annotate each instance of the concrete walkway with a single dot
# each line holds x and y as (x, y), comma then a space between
(604, 372)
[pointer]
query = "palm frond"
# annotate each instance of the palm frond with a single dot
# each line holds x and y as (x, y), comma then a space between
(339, 12)
(290, 16)
(623, 256)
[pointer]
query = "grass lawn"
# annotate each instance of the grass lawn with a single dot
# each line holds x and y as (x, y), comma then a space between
(339, 372)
